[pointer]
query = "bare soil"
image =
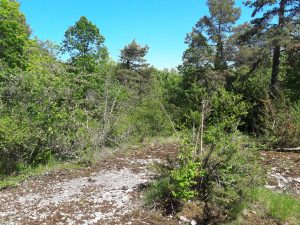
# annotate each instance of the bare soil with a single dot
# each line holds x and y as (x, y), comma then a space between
(110, 192)
(283, 170)
(107, 193)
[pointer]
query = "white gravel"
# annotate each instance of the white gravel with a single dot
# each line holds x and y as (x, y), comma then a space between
(86, 200)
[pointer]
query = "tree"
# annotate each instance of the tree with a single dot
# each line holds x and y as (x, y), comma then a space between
(84, 43)
(197, 59)
(199, 52)
(204, 61)
(218, 25)
(132, 55)
(279, 34)
(14, 34)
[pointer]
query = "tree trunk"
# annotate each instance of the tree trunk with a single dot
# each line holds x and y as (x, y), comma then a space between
(220, 63)
(276, 53)
(275, 72)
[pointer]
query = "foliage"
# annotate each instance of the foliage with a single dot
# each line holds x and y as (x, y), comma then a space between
(51, 110)
(177, 182)
(14, 34)
(222, 177)
(292, 78)
(43, 57)
(282, 128)
(223, 174)
(145, 116)
(199, 51)
(84, 43)
(61, 116)
(183, 177)
(222, 17)
(276, 36)
(253, 88)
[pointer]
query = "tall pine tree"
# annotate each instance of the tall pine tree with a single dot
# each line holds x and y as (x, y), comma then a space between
(217, 26)
(279, 33)
(132, 56)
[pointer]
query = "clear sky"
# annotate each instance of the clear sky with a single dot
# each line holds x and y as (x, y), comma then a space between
(161, 24)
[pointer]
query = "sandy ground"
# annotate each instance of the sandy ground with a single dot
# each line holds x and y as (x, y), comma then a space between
(108, 193)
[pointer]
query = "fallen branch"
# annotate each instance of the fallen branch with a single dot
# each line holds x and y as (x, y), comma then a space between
(287, 149)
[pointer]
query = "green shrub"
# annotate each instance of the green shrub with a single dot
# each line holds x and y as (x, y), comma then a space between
(222, 176)
(222, 173)
(64, 116)
(183, 178)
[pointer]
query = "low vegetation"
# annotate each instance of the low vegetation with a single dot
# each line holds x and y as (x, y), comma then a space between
(277, 205)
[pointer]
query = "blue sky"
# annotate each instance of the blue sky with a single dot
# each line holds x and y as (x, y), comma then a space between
(162, 24)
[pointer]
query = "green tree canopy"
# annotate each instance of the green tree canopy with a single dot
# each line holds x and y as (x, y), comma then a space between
(197, 59)
(84, 43)
(14, 34)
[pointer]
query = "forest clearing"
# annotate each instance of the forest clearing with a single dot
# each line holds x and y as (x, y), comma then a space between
(185, 113)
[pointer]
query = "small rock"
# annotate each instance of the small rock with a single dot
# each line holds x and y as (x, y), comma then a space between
(91, 180)
(184, 219)
(124, 188)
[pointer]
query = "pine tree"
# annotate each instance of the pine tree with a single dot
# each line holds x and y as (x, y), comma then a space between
(218, 25)
(279, 35)
(132, 56)
(197, 59)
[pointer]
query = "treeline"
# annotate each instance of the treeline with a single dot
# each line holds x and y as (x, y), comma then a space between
(255, 64)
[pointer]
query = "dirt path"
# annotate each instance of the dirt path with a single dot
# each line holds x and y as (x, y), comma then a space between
(108, 193)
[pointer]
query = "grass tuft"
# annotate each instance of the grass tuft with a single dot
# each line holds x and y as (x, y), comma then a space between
(28, 172)
(280, 206)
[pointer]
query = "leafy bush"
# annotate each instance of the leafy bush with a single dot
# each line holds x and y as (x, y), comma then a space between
(222, 176)
(63, 116)
(183, 178)
(177, 182)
